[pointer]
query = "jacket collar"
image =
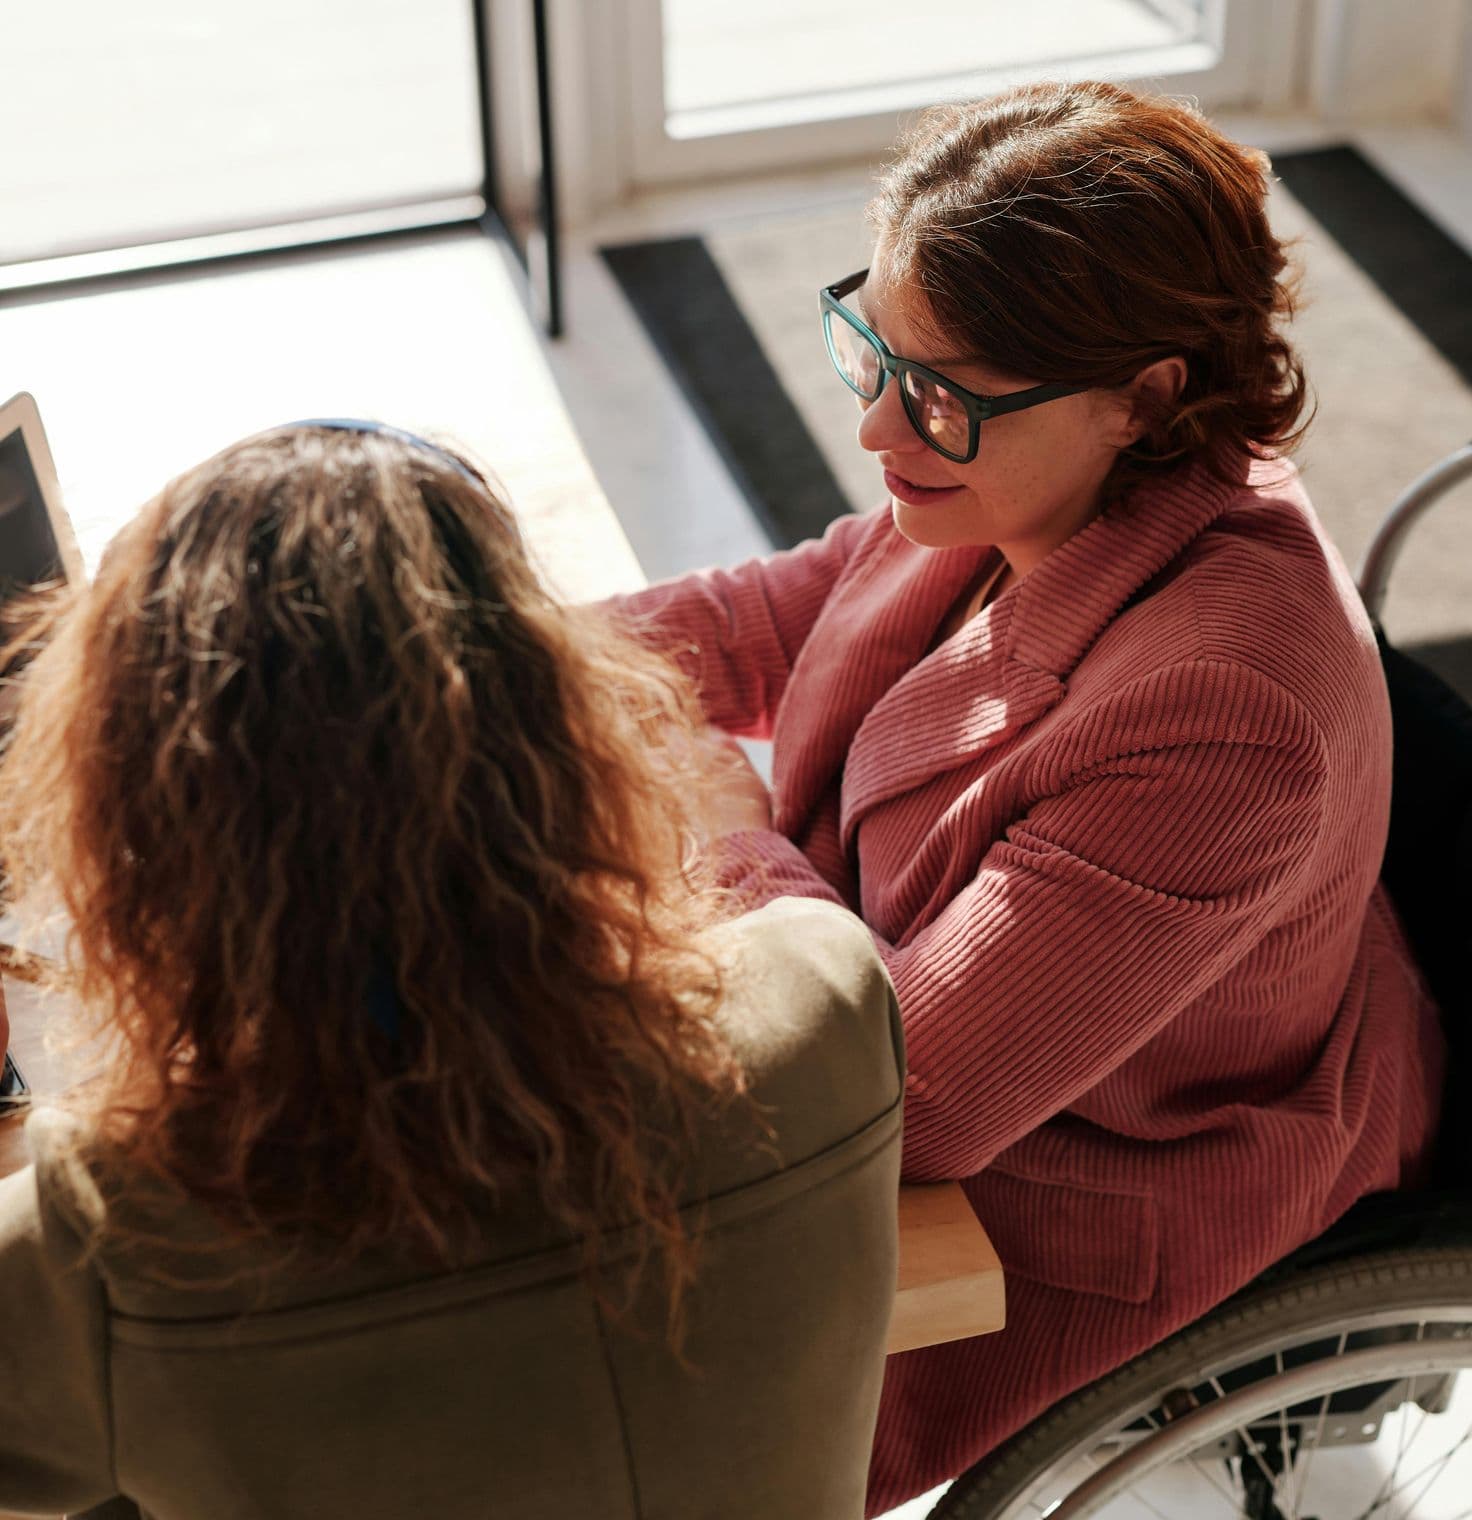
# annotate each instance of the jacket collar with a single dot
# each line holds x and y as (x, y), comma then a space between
(871, 703)
(1068, 601)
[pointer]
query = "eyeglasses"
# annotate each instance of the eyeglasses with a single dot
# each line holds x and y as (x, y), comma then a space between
(946, 416)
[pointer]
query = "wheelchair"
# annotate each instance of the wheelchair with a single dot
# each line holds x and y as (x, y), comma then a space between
(1356, 1338)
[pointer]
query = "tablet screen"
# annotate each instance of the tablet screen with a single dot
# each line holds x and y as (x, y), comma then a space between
(28, 551)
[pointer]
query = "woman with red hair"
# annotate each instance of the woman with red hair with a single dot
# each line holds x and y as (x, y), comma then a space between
(1088, 722)
(455, 1150)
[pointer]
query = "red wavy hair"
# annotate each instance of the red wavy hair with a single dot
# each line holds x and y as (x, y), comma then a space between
(1079, 232)
(375, 859)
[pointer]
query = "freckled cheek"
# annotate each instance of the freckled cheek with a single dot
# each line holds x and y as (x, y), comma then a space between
(1032, 462)
(1016, 486)
(1002, 471)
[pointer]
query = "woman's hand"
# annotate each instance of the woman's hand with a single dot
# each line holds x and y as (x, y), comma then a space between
(733, 795)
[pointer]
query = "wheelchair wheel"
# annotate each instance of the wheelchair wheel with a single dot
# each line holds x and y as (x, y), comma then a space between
(1320, 1393)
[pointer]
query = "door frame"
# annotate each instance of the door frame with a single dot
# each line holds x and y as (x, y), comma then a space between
(614, 95)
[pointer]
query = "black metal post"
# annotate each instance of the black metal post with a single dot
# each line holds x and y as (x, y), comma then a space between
(488, 178)
(548, 199)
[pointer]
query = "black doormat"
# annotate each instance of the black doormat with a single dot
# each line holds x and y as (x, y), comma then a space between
(1422, 269)
(689, 311)
(699, 328)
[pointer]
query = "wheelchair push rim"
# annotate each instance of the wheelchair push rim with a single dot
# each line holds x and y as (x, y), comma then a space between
(1294, 1404)
(1424, 492)
(1237, 1420)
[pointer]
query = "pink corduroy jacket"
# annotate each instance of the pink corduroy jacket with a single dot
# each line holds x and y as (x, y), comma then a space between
(1118, 839)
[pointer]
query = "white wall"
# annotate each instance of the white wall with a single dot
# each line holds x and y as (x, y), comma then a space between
(1463, 101)
(1389, 60)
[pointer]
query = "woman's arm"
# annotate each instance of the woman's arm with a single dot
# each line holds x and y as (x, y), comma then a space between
(737, 632)
(1115, 902)
(55, 1449)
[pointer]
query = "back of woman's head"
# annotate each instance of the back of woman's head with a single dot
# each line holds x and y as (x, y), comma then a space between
(372, 863)
(1079, 232)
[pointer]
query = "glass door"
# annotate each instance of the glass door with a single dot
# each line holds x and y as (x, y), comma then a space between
(165, 119)
(770, 84)
(166, 132)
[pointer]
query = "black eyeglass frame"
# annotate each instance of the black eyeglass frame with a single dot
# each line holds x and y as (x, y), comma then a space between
(976, 406)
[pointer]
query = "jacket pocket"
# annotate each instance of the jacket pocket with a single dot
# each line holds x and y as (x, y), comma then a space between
(1070, 1235)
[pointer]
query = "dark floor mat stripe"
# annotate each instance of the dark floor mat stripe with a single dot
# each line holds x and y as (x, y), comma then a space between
(1419, 267)
(687, 307)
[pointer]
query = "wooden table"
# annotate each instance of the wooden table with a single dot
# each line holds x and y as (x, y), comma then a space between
(950, 1281)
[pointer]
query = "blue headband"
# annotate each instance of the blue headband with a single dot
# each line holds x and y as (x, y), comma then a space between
(399, 435)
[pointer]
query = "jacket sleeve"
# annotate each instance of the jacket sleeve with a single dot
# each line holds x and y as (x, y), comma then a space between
(1133, 883)
(55, 1441)
(737, 632)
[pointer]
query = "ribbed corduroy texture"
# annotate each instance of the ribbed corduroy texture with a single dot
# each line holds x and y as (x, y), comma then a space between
(1118, 842)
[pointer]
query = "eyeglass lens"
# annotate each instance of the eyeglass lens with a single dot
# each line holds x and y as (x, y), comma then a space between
(939, 417)
(936, 414)
(856, 357)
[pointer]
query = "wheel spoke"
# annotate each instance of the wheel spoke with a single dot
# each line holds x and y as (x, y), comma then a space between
(1150, 1504)
(1308, 1461)
(1387, 1486)
(1435, 1468)
(1247, 1440)
(1252, 1399)
(1387, 1489)
(1439, 1468)
(1403, 1446)
(1285, 1446)
(1215, 1482)
(1256, 1450)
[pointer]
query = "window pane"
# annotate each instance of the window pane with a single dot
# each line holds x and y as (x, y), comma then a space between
(132, 122)
(767, 50)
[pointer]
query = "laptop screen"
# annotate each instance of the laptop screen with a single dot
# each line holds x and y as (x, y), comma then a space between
(28, 549)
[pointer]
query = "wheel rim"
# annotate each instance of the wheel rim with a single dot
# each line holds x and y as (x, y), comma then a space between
(1220, 1436)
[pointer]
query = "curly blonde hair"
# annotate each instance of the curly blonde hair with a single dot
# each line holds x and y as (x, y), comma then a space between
(1078, 232)
(375, 859)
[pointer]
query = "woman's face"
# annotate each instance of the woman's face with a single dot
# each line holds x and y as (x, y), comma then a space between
(1037, 473)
